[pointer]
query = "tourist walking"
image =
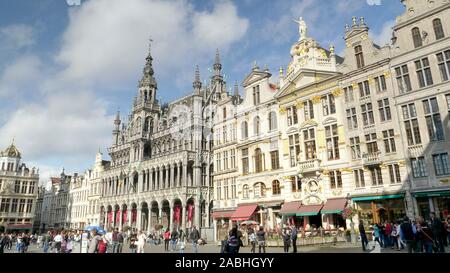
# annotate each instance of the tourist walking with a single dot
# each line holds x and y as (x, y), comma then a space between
(387, 235)
(115, 240)
(426, 237)
(376, 234)
(252, 238)
(286, 239)
(233, 242)
(57, 242)
(46, 241)
(166, 239)
(407, 234)
(141, 239)
(195, 236)
(294, 233)
(109, 241)
(261, 237)
(120, 241)
(437, 227)
(394, 237)
(2, 242)
(133, 240)
(363, 235)
(174, 240)
(93, 242)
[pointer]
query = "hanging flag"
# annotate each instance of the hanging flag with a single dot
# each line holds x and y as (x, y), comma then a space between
(133, 216)
(124, 216)
(110, 216)
(190, 212)
(176, 214)
(117, 217)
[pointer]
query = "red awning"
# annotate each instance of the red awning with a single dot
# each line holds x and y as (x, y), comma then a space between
(290, 208)
(243, 213)
(222, 214)
(309, 210)
(334, 206)
(20, 226)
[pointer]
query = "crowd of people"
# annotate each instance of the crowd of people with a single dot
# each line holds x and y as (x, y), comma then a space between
(413, 235)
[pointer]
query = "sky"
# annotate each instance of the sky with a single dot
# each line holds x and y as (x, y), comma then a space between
(67, 66)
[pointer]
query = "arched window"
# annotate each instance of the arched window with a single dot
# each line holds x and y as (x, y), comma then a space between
(272, 121)
(244, 129)
(359, 56)
(224, 113)
(417, 38)
(257, 126)
(147, 124)
(245, 192)
(438, 30)
(276, 187)
(258, 161)
(259, 190)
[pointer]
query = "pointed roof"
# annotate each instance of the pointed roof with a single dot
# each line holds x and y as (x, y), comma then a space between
(197, 84)
(148, 77)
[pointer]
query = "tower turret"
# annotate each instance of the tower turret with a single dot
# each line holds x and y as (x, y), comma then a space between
(197, 84)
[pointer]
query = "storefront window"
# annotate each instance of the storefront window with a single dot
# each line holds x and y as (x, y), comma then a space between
(444, 206)
(379, 211)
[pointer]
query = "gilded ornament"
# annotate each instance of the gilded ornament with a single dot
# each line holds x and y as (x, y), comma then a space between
(371, 80)
(316, 99)
(354, 85)
(387, 74)
(337, 92)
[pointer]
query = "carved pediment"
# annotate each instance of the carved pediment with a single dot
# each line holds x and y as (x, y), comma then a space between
(308, 123)
(329, 120)
(255, 76)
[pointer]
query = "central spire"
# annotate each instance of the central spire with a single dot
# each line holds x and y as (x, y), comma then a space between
(147, 78)
(217, 64)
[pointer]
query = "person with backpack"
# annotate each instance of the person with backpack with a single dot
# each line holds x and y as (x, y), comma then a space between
(174, 240)
(261, 237)
(166, 239)
(294, 233)
(114, 240)
(133, 240)
(232, 245)
(93, 242)
(376, 234)
(286, 239)
(120, 240)
(252, 239)
(407, 234)
(426, 235)
(194, 236)
(438, 229)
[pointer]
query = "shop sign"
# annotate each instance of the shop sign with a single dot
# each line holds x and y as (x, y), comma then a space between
(445, 181)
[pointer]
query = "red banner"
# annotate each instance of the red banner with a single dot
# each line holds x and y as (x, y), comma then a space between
(110, 217)
(117, 217)
(176, 214)
(190, 212)
(124, 216)
(133, 216)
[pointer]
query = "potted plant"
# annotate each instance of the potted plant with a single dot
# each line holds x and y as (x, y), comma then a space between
(348, 213)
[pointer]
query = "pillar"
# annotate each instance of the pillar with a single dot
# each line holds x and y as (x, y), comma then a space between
(139, 218)
(149, 223)
(161, 177)
(197, 214)
(185, 174)
(160, 214)
(140, 182)
(171, 218)
(179, 175)
(183, 217)
(172, 175)
(167, 180)
(121, 219)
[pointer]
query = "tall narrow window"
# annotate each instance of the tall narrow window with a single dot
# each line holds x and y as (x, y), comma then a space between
(394, 174)
(364, 89)
(348, 91)
(385, 110)
(433, 118)
(258, 161)
(438, 30)
(244, 130)
(355, 147)
(371, 143)
(352, 120)
(294, 149)
(276, 190)
(380, 83)
(411, 124)
(233, 159)
(259, 190)
(309, 138)
(444, 64)
(328, 104)
(359, 56)
(359, 178)
(292, 115)
(308, 108)
(424, 72)
(224, 134)
(225, 160)
(256, 95)
(417, 38)
(272, 121)
(245, 163)
(332, 140)
(245, 191)
(256, 126)
(419, 167)
(224, 113)
(275, 160)
(441, 164)
(367, 114)
(377, 178)
(335, 179)
(403, 80)
(389, 141)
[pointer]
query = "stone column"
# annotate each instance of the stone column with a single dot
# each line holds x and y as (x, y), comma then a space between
(149, 222)
(150, 179)
(140, 182)
(172, 176)
(185, 174)
(179, 175)
(183, 217)
(197, 214)
(171, 218)
(161, 177)
(139, 218)
(130, 215)
(167, 180)
(160, 214)
(121, 219)
(207, 220)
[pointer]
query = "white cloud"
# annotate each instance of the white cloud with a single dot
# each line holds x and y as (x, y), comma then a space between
(20, 76)
(107, 40)
(384, 36)
(16, 36)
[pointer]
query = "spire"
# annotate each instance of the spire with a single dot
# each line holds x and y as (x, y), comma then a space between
(255, 66)
(117, 120)
(217, 64)
(197, 84)
(147, 78)
(354, 24)
(236, 89)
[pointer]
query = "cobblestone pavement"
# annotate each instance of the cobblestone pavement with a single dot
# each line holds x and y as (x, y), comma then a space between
(339, 248)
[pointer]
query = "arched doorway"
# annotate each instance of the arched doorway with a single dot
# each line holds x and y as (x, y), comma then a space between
(190, 211)
(177, 213)
(154, 215)
(109, 217)
(116, 216)
(135, 182)
(165, 217)
(125, 219)
(144, 216)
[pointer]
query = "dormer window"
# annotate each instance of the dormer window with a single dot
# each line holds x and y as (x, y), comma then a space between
(438, 30)
(256, 95)
(417, 38)
(359, 56)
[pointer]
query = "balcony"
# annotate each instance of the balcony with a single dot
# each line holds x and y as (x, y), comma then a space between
(311, 165)
(372, 158)
(415, 150)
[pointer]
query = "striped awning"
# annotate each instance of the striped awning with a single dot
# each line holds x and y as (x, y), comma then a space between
(334, 206)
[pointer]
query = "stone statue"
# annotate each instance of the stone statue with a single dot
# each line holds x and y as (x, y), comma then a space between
(302, 28)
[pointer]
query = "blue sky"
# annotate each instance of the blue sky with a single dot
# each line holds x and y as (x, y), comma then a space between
(65, 70)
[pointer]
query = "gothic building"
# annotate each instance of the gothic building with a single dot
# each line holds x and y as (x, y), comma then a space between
(160, 174)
